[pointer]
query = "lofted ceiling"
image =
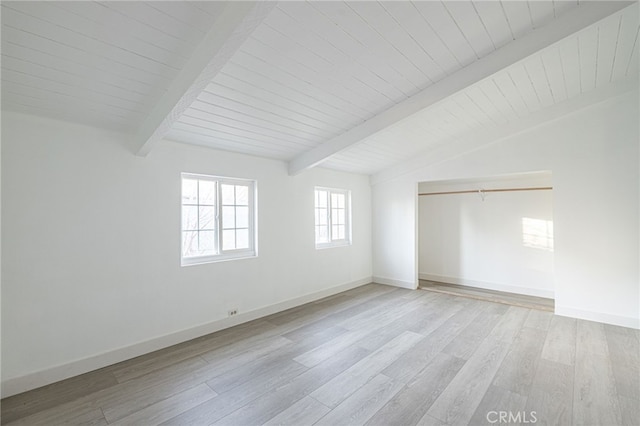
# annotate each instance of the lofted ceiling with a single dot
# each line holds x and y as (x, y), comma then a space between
(597, 56)
(354, 86)
(102, 64)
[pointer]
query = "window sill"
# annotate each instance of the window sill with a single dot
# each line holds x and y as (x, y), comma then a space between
(332, 245)
(202, 260)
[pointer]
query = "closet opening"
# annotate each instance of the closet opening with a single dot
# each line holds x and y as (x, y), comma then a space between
(489, 238)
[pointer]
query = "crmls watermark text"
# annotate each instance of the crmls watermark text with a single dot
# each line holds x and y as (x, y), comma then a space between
(520, 417)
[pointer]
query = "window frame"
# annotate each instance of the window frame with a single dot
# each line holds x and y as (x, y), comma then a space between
(333, 242)
(221, 254)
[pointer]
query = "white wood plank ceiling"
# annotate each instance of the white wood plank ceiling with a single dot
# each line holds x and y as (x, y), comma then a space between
(308, 72)
(102, 64)
(597, 56)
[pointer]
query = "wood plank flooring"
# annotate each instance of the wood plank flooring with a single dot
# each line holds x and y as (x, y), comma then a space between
(522, 300)
(375, 355)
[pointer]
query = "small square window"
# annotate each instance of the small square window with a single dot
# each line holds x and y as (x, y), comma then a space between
(218, 219)
(332, 217)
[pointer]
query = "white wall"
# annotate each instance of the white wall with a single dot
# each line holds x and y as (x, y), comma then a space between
(91, 242)
(593, 155)
(474, 241)
(395, 255)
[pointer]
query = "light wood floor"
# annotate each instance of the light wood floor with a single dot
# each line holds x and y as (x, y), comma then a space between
(514, 299)
(374, 355)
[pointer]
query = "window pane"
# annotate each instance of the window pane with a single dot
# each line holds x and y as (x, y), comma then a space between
(189, 218)
(337, 200)
(207, 242)
(242, 238)
(189, 191)
(228, 197)
(242, 195)
(242, 217)
(337, 216)
(207, 191)
(321, 216)
(190, 243)
(207, 215)
(228, 239)
(321, 198)
(322, 234)
(340, 235)
(228, 217)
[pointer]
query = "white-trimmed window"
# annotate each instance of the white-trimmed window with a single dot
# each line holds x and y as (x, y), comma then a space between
(218, 218)
(333, 217)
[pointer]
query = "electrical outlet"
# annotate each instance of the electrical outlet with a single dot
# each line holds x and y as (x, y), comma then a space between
(233, 312)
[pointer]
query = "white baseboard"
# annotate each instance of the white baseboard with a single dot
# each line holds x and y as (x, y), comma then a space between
(529, 291)
(567, 311)
(396, 283)
(16, 385)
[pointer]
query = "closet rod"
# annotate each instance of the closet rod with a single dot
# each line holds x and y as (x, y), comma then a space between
(476, 191)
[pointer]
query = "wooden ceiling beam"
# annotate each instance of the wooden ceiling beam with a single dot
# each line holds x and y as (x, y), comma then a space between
(235, 23)
(475, 140)
(564, 26)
